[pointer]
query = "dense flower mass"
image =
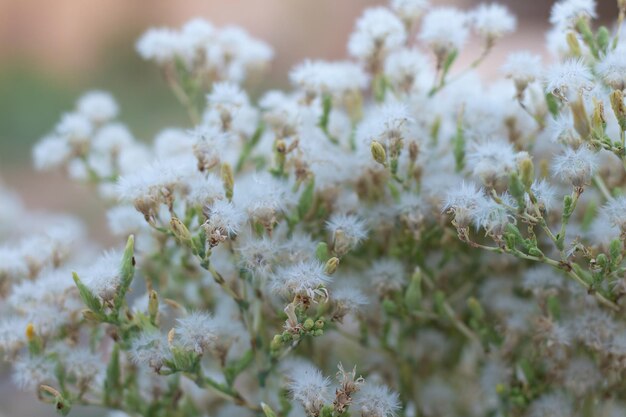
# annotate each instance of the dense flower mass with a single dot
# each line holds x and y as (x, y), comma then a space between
(459, 243)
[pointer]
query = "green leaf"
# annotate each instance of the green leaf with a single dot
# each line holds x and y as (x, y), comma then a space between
(306, 199)
(127, 271)
(267, 410)
(91, 301)
(321, 252)
(112, 383)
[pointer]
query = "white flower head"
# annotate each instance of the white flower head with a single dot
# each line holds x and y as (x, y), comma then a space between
(523, 68)
(348, 231)
(150, 348)
(377, 31)
(303, 278)
(321, 77)
(98, 106)
(409, 10)
(197, 332)
(377, 401)
(551, 405)
(612, 68)
(112, 138)
(444, 29)
(227, 97)
(103, 278)
(576, 166)
(463, 203)
(51, 152)
(75, 128)
(614, 212)
(224, 219)
(387, 275)
(309, 387)
(163, 45)
(403, 66)
(31, 371)
(566, 13)
(568, 80)
(492, 21)
(492, 162)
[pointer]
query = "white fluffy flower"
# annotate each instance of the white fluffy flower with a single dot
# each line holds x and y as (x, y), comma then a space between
(492, 21)
(125, 220)
(150, 348)
(309, 387)
(197, 332)
(30, 371)
(98, 106)
(75, 127)
(444, 29)
(227, 96)
(576, 166)
(319, 77)
(377, 30)
(377, 401)
(409, 10)
(223, 220)
(492, 162)
(162, 45)
(463, 203)
(522, 67)
(551, 405)
(51, 152)
(612, 68)
(103, 278)
(614, 212)
(566, 13)
(302, 278)
(404, 65)
(348, 231)
(569, 79)
(112, 138)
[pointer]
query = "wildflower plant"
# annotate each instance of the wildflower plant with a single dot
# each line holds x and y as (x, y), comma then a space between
(460, 245)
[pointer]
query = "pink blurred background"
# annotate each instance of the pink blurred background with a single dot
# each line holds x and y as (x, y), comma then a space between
(50, 51)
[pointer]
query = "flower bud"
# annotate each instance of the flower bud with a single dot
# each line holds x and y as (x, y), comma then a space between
(413, 294)
(331, 265)
(617, 104)
(527, 172)
(573, 44)
(378, 152)
(228, 180)
(153, 305)
(179, 230)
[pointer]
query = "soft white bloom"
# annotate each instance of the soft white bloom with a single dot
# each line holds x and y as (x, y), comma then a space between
(258, 255)
(444, 29)
(347, 299)
(565, 13)
(125, 220)
(576, 166)
(30, 371)
(98, 106)
(103, 278)
(386, 124)
(227, 97)
(463, 202)
(172, 142)
(204, 189)
(404, 65)
(551, 405)
(162, 45)
(387, 275)
(492, 217)
(614, 211)
(197, 33)
(409, 10)
(51, 152)
(544, 193)
(112, 138)
(522, 67)
(150, 348)
(309, 387)
(320, 77)
(197, 332)
(377, 31)
(612, 68)
(377, 401)
(348, 231)
(569, 79)
(302, 278)
(75, 127)
(223, 220)
(492, 162)
(492, 21)
(562, 130)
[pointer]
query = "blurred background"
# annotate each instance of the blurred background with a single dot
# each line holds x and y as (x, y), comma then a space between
(51, 51)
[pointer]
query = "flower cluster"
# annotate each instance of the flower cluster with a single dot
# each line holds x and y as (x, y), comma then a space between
(462, 242)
